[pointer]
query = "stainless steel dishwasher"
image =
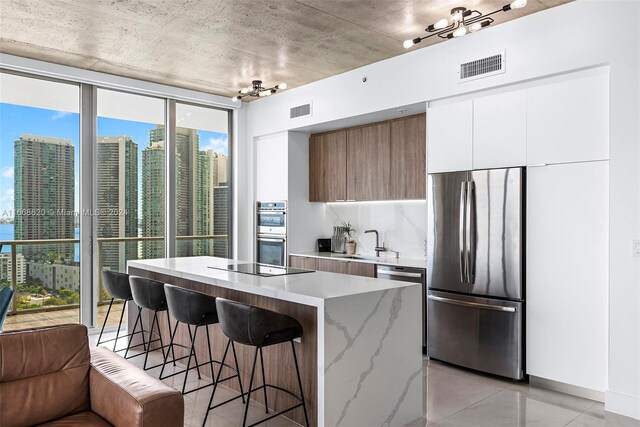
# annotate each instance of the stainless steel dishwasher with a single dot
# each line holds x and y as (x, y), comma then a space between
(414, 275)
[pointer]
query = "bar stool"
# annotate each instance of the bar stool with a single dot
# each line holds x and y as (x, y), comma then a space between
(149, 294)
(117, 285)
(199, 310)
(259, 328)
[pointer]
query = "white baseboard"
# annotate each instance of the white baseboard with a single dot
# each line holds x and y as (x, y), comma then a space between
(567, 388)
(623, 404)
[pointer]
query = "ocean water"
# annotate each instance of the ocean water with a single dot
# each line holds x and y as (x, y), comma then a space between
(7, 233)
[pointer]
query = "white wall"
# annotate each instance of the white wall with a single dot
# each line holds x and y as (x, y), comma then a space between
(574, 36)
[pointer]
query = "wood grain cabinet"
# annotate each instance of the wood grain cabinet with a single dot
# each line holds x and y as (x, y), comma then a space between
(304, 262)
(380, 161)
(333, 266)
(341, 266)
(408, 158)
(361, 269)
(368, 162)
(328, 167)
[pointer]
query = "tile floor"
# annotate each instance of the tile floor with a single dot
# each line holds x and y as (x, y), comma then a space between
(453, 397)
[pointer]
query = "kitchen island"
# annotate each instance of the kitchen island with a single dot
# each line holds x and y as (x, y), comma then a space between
(360, 356)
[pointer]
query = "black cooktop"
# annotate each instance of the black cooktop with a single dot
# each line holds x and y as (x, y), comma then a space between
(263, 270)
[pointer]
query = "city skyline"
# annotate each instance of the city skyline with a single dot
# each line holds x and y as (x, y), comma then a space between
(16, 120)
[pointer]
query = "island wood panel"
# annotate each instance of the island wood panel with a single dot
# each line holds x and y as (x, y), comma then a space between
(328, 166)
(306, 263)
(408, 158)
(278, 359)
(368, 160)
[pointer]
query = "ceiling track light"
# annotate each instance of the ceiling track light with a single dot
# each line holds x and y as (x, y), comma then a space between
(257, 90)
(461, 22)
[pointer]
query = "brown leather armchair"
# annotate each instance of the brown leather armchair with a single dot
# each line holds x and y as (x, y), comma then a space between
(49, 376)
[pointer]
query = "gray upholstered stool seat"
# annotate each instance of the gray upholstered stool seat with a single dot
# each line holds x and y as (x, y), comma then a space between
(259, 328)
(149, 294)
(118, 286)
(198, 310)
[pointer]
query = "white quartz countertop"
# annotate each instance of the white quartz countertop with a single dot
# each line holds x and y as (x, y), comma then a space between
(306, 288)
(382, 260)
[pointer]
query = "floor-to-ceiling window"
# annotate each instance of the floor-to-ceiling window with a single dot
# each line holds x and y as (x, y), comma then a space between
(202, 181)
(39, 232)
(124, 215)
(130, 183)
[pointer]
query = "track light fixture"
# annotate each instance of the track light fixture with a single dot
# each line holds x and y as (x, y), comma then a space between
(461, 21)
(257, 90)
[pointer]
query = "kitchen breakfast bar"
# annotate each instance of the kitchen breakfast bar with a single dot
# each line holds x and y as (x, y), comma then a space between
(361, 353)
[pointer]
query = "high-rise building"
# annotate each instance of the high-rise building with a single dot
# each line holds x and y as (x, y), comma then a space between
(221, 220)
(117, 202)
(212, 170)
(187, 143)
(44, 195)
(6, 268)
(153, 199)
(198, 173)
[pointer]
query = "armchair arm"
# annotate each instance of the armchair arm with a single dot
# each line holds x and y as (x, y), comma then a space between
(123, 394)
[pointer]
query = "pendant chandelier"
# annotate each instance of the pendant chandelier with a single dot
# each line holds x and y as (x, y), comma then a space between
(256, 89)
(461, 21)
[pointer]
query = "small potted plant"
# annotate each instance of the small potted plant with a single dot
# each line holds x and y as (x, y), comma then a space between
(349, 230)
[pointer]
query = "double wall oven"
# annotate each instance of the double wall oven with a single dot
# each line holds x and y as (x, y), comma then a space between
(271, 233)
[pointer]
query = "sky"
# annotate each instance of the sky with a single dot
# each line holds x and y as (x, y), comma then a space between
(16, 120)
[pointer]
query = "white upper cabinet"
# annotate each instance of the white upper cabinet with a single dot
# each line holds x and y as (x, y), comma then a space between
(568, 121)
(449, 137)
(271, 167)
(500, 130)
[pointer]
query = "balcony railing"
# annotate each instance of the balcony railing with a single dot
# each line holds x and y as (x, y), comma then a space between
(14, 244)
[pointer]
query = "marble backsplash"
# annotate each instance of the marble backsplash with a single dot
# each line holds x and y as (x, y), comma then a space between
(401, 224)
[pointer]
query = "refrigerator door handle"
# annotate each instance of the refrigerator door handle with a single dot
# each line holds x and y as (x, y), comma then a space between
(462, 241)
(471, 232)
(472, 304)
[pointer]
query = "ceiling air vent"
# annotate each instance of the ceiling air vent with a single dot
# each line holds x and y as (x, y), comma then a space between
(300, 111)
(483, 67)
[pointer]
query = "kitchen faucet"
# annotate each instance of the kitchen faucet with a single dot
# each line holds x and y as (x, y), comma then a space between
(378, 248)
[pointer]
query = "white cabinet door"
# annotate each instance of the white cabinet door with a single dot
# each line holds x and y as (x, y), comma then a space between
(567, 273)
(271, 167)
(449, 137)
(500, 130)
(568, 121)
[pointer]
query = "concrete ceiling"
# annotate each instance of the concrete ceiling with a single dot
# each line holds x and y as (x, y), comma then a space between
(219, 46)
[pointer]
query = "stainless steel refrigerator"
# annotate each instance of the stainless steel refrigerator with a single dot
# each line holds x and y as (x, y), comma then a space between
(475, 270)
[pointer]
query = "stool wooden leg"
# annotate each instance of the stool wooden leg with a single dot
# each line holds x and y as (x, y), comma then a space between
(264, 383)
(304, 405)
(246, 405)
